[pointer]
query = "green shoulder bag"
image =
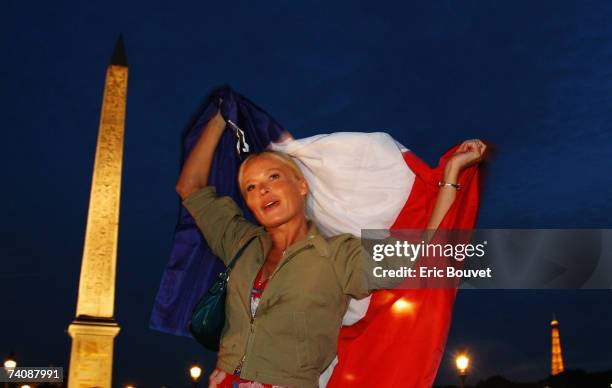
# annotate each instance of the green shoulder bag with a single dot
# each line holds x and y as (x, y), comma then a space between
(208, 317)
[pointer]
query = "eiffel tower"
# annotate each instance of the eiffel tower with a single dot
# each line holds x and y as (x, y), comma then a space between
(557, 357)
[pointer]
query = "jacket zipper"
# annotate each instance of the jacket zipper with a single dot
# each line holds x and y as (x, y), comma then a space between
(241, 364)
(238, 368)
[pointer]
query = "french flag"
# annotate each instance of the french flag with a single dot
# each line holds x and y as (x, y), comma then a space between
(393, 338)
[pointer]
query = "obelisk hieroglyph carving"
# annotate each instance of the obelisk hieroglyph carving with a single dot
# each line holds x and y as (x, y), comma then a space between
(94, 328)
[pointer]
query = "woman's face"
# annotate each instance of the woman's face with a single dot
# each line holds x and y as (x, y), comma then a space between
(272, 191)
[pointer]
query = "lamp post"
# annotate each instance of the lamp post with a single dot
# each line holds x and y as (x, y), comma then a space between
(195, 372)
(9, 363)
(462, 361)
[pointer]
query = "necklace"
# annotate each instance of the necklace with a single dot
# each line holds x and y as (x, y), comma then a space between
(263, 279)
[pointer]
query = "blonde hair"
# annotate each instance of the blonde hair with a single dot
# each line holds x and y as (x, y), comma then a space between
(279, 156)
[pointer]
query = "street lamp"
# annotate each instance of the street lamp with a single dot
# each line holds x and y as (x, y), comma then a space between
(462, 361)
(195, 372)
(9, 363)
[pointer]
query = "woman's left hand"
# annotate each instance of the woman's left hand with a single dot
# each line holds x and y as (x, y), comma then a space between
(469, 152)
(216, 378)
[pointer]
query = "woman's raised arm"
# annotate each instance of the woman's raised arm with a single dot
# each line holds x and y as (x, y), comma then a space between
(470, 152)
(219, 218)
(195, 171)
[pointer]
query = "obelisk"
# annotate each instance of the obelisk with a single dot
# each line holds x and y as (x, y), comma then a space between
(94, 328)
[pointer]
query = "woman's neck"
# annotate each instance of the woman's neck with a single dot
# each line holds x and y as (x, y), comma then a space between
(288, 233)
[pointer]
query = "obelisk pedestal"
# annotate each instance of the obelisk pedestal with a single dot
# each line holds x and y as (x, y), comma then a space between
(91, 357)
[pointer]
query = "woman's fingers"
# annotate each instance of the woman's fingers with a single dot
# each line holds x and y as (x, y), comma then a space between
(216, 377)
(483, 149)
(473, 145)
(469, 152)
(480, 147)
(212, 381)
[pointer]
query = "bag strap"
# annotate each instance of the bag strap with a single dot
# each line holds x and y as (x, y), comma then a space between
(237, 255)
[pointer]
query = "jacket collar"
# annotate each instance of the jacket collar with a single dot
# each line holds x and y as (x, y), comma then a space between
(317, 239)
(313, 236)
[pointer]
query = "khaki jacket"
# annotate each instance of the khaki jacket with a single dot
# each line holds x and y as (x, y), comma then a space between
(293, 337)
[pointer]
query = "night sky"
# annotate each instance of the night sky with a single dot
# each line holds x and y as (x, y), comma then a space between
(533, 78)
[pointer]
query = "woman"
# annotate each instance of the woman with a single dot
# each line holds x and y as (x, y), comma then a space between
(289, 338)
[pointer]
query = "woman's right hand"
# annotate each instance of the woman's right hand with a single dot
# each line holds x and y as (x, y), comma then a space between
(219, 121)
(216, 377)
(196, 169)
(218, 117)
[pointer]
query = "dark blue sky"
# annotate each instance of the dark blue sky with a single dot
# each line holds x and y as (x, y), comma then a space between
(535, 78)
